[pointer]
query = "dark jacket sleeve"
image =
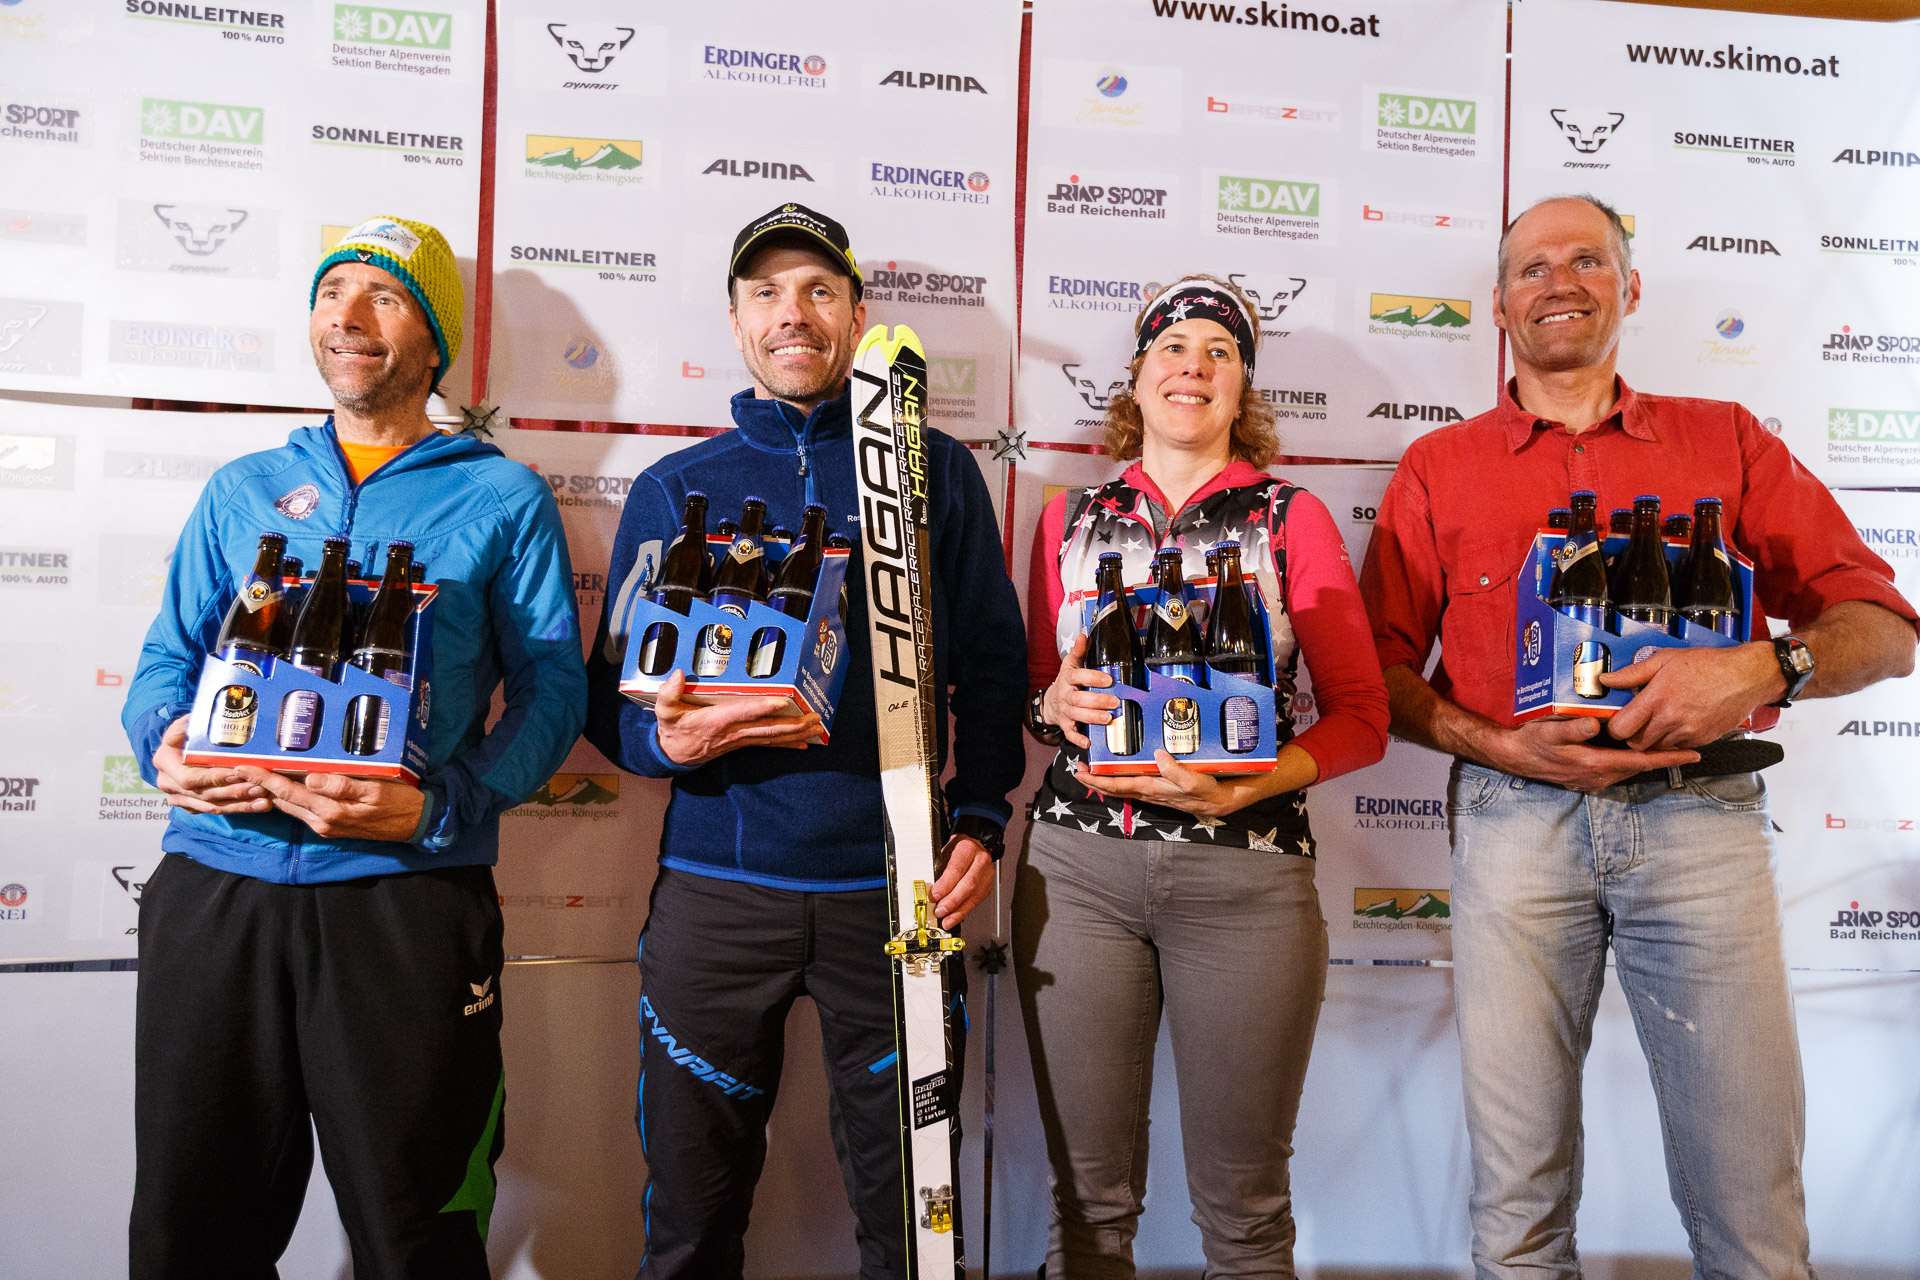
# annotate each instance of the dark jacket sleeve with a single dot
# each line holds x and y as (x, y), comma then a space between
(624, 731)
(988, 665)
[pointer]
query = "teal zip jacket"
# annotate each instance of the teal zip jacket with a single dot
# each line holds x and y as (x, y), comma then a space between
(490, 536)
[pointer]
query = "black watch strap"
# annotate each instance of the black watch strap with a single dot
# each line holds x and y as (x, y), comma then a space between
(1046, 734)
(1796, 666)
(975, 827)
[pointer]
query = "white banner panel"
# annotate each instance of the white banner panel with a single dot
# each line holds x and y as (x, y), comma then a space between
(1843, 798)
(1770, 167)
(636, 140)
(175, 172)
(1356, 198)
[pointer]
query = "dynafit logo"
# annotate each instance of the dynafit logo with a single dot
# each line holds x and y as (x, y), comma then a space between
(1404, 315)
(404, 28)
(1587, 131)
(200, 229)
(1898, 425)
(591, 45)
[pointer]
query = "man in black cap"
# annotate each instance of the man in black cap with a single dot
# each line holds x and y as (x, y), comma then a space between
(772, 879)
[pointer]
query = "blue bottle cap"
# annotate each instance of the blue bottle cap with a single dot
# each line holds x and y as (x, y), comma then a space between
(1111, 555)
(1227, 542)
(1646, 497)
(1586, 493)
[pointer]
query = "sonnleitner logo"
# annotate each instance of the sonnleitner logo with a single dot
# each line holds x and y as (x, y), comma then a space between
(949, 186)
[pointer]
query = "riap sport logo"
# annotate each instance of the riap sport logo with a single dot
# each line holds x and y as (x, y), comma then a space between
(202, 134)
(1414, 316)
(1849, 347)
(1271, 208)
(42, 122)
(606, 161)
(1899, 426)
(1853, 922)
(770, 67)
(914, 182)
(1421, 124)
(1107, 199)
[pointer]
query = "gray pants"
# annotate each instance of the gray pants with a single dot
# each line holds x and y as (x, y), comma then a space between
(1231, 941)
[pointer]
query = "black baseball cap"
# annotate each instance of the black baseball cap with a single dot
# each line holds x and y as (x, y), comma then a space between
(794, 222)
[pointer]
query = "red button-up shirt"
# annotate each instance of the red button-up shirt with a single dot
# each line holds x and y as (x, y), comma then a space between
(1461, 512)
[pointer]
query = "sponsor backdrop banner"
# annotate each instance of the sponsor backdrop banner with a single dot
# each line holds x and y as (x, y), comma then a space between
(1356, 198)
(634, 141)
(1844, 799)
(1769, 167)
(1383, 866)
(175, 171)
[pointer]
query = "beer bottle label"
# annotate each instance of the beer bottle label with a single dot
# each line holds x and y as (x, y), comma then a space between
(743, 550)
(299, 720)
(1123, 731)
(716, 650)
(1240, 724)
(258, 593)
(1173, 612)
(1569, 554)
(247, 660)
(1180, 725)
(233, 716)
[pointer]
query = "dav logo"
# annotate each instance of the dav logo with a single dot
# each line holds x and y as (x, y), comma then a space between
(1433, 115)
(1269, 195)
(1874, 424)
(206, 121)
(369, 24)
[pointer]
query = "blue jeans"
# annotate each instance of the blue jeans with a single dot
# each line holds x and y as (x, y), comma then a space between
(1681, 884)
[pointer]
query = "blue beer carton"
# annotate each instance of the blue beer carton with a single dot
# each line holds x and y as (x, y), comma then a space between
(1223, 727)
(1558, 660)
(764, 654)
(278, 717)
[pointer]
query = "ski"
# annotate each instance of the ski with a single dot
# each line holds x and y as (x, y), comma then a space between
(890, 461)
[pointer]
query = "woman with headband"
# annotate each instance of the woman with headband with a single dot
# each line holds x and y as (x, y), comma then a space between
(1180, 888)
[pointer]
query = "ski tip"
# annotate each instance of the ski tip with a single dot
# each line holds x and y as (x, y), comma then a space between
(904, 338)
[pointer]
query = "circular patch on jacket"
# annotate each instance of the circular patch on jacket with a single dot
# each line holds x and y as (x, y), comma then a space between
(300, 503)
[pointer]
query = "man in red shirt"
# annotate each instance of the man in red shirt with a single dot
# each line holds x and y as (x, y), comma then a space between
(1566, 843)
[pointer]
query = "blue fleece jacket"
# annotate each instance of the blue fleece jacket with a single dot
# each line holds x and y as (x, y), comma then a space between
(813, 819)
(490, 536)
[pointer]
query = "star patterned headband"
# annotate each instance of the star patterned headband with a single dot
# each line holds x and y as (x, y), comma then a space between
(1195, 298)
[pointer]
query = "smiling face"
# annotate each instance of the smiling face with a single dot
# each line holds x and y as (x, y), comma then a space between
(1566, 291)
(1189, 387)
(371, 340)
(796, 323)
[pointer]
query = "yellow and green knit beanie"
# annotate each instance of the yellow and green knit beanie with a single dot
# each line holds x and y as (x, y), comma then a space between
(419, 257)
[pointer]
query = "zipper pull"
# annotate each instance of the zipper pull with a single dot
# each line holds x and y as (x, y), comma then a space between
(800, 451)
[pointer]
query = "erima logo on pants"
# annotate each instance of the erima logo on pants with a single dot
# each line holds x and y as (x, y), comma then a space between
(484, 992)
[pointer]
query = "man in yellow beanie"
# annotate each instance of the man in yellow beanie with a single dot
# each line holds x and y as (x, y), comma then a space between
(325, 953)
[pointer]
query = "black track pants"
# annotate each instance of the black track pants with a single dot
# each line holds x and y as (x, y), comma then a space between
(721, 963)
(370, 1005)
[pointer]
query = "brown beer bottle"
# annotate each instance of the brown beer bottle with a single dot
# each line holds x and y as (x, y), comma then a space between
(741, 577)
(247, 634)
(316, 636)
(1232, 645)
(382, 652)
(1646, 592)
(678, 582)
(1710, 593)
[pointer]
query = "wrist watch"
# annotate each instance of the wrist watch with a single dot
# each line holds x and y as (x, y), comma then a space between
(1044, 732)
(983, 830)
(1796, 664)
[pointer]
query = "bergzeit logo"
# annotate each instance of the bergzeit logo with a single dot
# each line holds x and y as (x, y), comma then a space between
(38, 335)
(190, 346)
(1273, 208)
(406, 41)
(1401, 218)
(942, 186)
(767, 67)
(1417, 124)
(42, 122)
(1107, 200)
(1722, 348)
(1587, 131)
(35, 566)
(1848, 347)
(1083, 293)
(607, 161)
(25, 226)
(1240, 108)
(1412, 316)
(1764, 151)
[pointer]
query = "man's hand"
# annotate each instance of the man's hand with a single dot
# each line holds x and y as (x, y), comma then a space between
(691, 734)
(1555, 751)
(965, 883)
(203, 790)
(1690, 697)
(339, 807)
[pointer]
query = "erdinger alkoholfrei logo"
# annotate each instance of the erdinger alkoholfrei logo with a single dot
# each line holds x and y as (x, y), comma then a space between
(298, 504)
(591, 45)
(1587, 131)
(200, 228)
(1089, 390)
(13, 895)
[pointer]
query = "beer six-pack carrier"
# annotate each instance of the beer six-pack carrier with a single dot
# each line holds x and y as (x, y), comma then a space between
(1231, 716)
(402, 757)
(1557, 656)
(813, 655)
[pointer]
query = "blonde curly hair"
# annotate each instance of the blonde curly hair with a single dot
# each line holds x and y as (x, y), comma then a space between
(1253, 439)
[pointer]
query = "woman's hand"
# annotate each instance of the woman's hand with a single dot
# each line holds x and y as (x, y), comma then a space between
(1070, 701)
(1203, 794)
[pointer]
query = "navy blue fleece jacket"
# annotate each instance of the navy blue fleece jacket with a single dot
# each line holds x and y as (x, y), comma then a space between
(812, 819)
